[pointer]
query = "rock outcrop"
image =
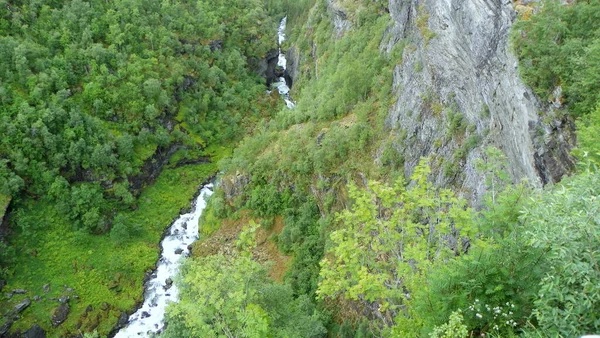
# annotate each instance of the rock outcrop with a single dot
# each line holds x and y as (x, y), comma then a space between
(457, 65)
(60, 314)
(458, 91)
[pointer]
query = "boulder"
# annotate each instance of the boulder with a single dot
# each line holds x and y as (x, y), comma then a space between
(22, 305)
(123, 319)
(4, 328)
(60, 314)
(35, 332)
(168, 283)
(19, 291)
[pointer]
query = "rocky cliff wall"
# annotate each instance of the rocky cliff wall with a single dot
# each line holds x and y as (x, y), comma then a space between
(457, 91)
(457, 66)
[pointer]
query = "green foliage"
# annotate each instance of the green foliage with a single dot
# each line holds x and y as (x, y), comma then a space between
(559, 45)
(489, 277)
(588, 138)
(422, 23)
(92, 89)
(564, 223)
(388, 237)
(247, 239)
(123, 230)
(233, 297)
(453, 329)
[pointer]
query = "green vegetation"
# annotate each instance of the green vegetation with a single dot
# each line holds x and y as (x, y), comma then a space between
(560, 46)
(316, 231)
(4, 201)
(104, 105)
(232, 296)
(94, 92)
(380, 247)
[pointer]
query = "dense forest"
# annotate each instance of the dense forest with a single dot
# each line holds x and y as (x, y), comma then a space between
(113, 113)
(97, 99)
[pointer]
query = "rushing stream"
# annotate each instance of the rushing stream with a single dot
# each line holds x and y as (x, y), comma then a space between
(160, 289)
(281, 85)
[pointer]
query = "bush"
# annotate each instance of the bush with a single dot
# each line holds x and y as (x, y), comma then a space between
(559, 46)
(565, 223)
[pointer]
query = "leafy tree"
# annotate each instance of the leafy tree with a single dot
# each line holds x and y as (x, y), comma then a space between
(558, 46)
(588, 138)
(231, 296)
(387, 238)
(564, 223)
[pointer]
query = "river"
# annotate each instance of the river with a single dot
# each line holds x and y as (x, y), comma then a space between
(281, 85)
(160, 289)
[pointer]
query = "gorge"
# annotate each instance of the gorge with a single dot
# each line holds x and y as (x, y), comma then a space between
(413, 168)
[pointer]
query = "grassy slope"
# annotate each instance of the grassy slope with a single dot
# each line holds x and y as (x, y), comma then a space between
(106, 276)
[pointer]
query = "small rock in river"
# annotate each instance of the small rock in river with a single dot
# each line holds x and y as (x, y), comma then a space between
(145, 314)
(184, 226)
(178, 251)
(168, 283)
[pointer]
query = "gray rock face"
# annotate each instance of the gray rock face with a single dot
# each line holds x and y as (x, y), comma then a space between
(340, 19)
(293, 63)
(457, 61)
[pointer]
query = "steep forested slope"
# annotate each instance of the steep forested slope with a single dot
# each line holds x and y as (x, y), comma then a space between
(395, 100)
(403, 196)
(92, 90)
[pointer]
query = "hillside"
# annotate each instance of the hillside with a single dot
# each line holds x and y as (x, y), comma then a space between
(436, 176)
(417, 179)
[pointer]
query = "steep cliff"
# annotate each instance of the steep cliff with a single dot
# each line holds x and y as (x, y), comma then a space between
(457, 91)
(461, 60)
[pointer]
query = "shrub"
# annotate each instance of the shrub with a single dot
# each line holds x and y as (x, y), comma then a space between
(565, 223)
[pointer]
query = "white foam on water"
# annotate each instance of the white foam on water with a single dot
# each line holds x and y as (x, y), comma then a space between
(183, 232)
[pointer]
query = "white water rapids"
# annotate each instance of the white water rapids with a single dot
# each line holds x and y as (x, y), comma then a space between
(159, 289)
(281, 85)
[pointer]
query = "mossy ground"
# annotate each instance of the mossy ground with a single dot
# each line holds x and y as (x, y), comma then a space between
(106, 276)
